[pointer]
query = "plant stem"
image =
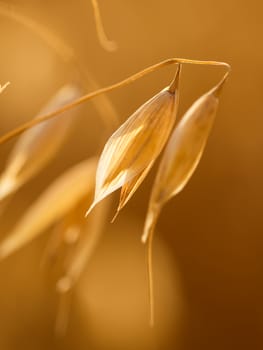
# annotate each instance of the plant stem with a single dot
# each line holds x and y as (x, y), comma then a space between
(107, 44)
(149, 264)
(19, 130)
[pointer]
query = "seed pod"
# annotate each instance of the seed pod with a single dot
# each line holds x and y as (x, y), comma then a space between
(182, 154)
(62, 196)
(137, 143)
(39, 145)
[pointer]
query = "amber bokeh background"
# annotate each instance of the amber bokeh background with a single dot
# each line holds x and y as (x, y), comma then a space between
(210, 246)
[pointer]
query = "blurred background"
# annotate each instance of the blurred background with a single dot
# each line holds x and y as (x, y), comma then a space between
(208, 260)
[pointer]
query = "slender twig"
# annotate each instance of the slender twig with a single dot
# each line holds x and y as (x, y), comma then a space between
(19, 130)
(149, 265)
(107, 44)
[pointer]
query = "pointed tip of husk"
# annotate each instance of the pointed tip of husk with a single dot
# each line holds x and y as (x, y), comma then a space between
(216, 91)
(91, 208)
(115, 215)
(175, 82)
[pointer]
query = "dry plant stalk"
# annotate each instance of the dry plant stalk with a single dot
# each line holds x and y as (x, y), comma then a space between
(38, 146)
(104, 41)
(15, 132)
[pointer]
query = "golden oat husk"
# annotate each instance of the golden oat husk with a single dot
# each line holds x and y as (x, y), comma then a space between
(181, 157)
(130, 188)
(137, 143)
(182, 153)
(38, 146)
(65, 193)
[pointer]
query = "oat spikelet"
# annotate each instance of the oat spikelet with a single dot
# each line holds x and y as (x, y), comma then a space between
(58, 199)
(181, 157)
(38, 146)
(137, 143)
(182, 153)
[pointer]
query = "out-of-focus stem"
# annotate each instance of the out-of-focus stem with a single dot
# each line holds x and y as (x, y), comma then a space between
(107, 44)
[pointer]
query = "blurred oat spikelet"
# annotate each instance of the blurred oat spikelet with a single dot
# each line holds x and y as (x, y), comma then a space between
(89, 234)
(36, 147)
(58, 202)
(3, 87)
(131, 150)
(74, 238)
(107, 44)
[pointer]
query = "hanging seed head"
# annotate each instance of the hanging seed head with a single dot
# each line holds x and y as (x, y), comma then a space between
(182, 154)
(136, 144)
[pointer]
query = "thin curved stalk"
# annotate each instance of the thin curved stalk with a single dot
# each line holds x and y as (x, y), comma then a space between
(107, 44)
(19, 130)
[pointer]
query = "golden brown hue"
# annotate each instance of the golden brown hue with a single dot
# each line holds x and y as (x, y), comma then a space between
(211, 231)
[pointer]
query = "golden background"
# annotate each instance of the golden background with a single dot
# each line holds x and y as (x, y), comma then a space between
(208, 254)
